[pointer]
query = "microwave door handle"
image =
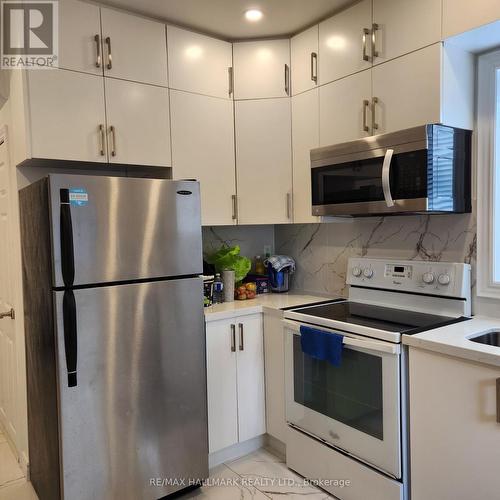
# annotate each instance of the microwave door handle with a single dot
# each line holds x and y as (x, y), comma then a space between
(386, 172)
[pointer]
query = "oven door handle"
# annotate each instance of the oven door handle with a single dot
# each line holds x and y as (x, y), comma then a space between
(386, 173)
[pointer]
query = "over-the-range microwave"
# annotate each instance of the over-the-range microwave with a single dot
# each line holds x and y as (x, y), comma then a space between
(424, 169)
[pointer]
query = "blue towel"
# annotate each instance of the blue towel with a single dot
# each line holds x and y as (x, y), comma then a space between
(318, 344)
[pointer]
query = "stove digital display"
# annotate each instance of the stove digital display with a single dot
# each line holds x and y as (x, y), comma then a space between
(398, 271)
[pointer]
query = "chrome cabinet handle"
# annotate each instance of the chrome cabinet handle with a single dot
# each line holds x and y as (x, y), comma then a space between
(240, 328)
(110, 57)
(234, 199)
(374, 121)
(375, 28)
(314, 67)
(231, 81)
(233, 338)
(287, 79)
(102, 139)
(113, 140)
(10, 314)
(288, 205)
(386, 176)
(98, 59)
(366, 105)
(366, 32)
(498, 400)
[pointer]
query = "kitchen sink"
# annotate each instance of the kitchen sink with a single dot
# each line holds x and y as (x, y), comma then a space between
(489, 338)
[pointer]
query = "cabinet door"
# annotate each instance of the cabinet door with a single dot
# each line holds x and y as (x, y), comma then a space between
(408, 90)
(221, 386)
(137, 46)
(203, 149)
(464, 15)
(251, 389)
(404, 26)
(261, 69)
(198, 63)
(80, 47)
(304, 50)
(139, 115)
(305, 136)
(66, 111)
(344, 43)
(453, 428)
(344, 109)
(263, 161)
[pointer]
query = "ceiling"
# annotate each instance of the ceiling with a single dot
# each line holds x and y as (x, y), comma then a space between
(224, 18)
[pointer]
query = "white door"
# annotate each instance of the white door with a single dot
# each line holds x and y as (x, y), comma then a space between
(404, 26)
(264, 161)
(67, 118)
(138, 123)
(304, 51)
(203, 149)
(198, 63)
(261, 69)
(408, 90)
(344, 42)
(134, 48)
(251, 387)
(305, 136)
(221, 385)
(80, 47)
(345, 109)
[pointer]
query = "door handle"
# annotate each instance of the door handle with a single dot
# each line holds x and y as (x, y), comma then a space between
(287, 79)
(110, 57)
(113, 140)
(366, 32)
(242, 345)
(234, 199)
(233, 338)
(10, 314)
(70, 336)
(375, 28)
(98, 58)
(288, 205)
(103, 139)
(498, 400)
(374, 121)
(66, 236)
(314, 67)
(386, 173)
(231, 81)
(366, 105)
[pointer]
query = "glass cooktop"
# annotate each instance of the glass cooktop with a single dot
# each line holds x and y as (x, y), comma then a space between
(378, 317)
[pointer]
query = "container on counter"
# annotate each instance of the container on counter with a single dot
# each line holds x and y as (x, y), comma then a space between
(261, 282)
(228, 280)
(208, 289)
(259, 267)
(218, 293)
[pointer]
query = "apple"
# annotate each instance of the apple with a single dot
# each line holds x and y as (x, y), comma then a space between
(242, 296)
(251, 287)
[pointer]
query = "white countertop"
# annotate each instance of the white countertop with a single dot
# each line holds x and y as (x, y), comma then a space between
(267, 302)
(454, 340)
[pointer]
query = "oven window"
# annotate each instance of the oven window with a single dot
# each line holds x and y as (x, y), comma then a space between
(350, 393)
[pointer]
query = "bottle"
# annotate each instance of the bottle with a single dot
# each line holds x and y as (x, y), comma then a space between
(218, 294)
(259, 265)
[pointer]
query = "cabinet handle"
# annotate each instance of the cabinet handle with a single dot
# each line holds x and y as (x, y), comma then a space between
(102, 139)
(288, 205)
(233, 338)
(366, 32)
(314, 67)
(374, 121)
(98, 58)
(498, 400)
(113, 140)
(240, 328)
(231, 81)
(287, 79)
(110, 57)
(234, 199)
(375, 28)
(366, 105)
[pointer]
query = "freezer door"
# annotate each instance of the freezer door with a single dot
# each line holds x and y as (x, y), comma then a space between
(109, 229)
(133, 415)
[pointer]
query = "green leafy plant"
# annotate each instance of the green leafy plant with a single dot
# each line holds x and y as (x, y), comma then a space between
(229, 258)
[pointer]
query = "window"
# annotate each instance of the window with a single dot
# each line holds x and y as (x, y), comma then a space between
(488, 175)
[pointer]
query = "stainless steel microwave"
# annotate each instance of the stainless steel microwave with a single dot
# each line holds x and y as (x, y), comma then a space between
(425, 169)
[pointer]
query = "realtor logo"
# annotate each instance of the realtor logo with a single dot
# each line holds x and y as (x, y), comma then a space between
(29, 34)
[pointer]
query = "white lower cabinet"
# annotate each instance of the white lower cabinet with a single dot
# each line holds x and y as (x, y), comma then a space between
(454, 433)
(235, 381)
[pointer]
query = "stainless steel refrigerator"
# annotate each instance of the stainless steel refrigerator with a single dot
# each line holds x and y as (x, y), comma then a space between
(115, 337)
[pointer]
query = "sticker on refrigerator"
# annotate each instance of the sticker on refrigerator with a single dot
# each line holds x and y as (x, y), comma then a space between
(78, 197)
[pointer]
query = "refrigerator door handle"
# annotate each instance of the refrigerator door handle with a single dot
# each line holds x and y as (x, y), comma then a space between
(67, 250)
(70, 336)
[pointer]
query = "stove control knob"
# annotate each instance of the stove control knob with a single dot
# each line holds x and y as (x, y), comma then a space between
(367, 272)
(356, 272)
(444, 279)
(428, 278)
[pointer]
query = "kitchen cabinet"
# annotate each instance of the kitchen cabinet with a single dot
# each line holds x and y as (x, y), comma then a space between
(261, 69)
(134, 48)
(138, 122)
(464, 15)
(344, 42)
(305, 136)
(203, 149)
(454, 433)
(304, 55)
(235, 381)
(264, 161)
(402, 26)
(345, 109)
(198, 63)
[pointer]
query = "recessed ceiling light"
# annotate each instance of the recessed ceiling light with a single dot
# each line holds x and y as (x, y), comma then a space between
(253, 15)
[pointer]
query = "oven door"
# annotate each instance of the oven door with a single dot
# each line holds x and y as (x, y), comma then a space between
(354, 407)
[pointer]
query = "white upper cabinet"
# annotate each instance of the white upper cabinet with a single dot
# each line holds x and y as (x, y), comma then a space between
(261, 69)
(198, 63)
(464, 15)
(305, 136)
(203, 149)
(402, 26)
(345, 42)
(304, 50)
(264, 161)
(80, 47)
(138, 123)
(134, 48)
